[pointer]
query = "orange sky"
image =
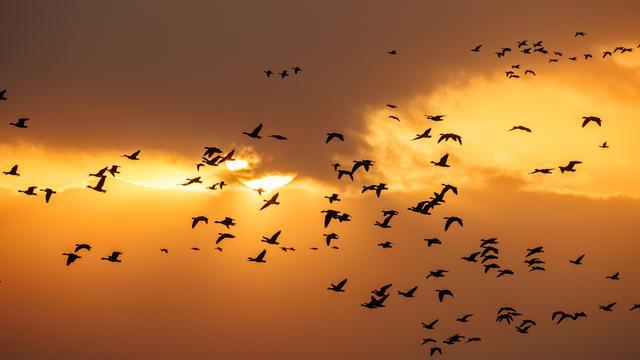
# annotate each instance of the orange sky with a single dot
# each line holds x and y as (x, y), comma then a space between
(102, 80)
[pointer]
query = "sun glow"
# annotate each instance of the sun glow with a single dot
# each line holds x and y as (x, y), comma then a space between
(270, 182)
(235, 165)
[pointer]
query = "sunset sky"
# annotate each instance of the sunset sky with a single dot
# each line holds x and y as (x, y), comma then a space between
(101, 79)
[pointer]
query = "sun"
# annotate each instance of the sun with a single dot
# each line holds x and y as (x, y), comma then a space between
(248, 172)
(269, 183)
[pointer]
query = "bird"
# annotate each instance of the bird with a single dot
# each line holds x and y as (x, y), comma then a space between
(385, 223)
(255, 133)
(431, 325)
(409, 293)
(569, 167)
(394, 117)
(472, 257)
(587, 119)
(13, 171)
(542, 171)
(164, 250)
(522, 43)
(339, 287)
(392, 106)
(30, 191)
(505, 272)
(20, 123)
(442, 162)
(278, 137)
(604, 145)
(427, 340)
(573, 58)
(635, 306)
(329, 215)
(195, 248)
(195, 180)
(113, 170)
(615, 276)
(283, 74)
(433, 241)
(334, 135)
(197, 219)
(382, 291)
(133, 156)
(437, 273)
(332, 198)
(71, 257)
(345, 172)
(425, 135)
(82, 247)
(114, 257)
(296, 69)
(608, 307)
(48, 193)
(435, 117)
(450, 220)
(606, 53)
(578, 260)
(329, 237)
(520, 127)
(227, 221)
(259, 258)
(464, 318)
(218, 248)
(101, 172)
(99, 187)
(222, 236)
(209, 151)
(587, 56)
(474, 339)
(476, 48)
(450, 136)
(535, 250)
(3, 94)
(392, 52)
(443, 293)
(580, 33)
(386, 245)
(273, 240)
(268, 73)
(435, 350)
(272, 201)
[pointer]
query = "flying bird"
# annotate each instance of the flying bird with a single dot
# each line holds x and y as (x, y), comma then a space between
(425, 135)
(48, 193)
(197, 219)
(272, 201)
(587, 119)
(71, 257)
(21, 123)
(13, 171)
(82, 247)
(442, 162)
(520, 127)
(30, 191)
(114, 257)
(450, 220)
(332, 198)
(409, 293)
(99, 187)
(227, 221)
(570, 166)
(476, 48)
(604, 145)
(450, 136)
(435, 117)
(443, 293)
(222, 236)
(273, 240)
(431, 325)
(259, 258)
(542, 171)
(334, 135)
(133, 156)
(578, 260)
(278, 137)
(339, 287)
(255, 133)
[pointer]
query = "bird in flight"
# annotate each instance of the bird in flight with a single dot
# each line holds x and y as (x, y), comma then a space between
(435, 350)
(587, 119)
(334, 135)
(464, 318)
(425, 135)
(82, 247)
(99, 187)
(435, 117)
(578, 260)
(255, 133)
(197, 219)
(278, 137)
(133, 156)
(114, 257)
(296, 69)
(195, 180)
(13, 171)
(329, 237)
(520, 127)
(113, 170)
(339, 287)
(437, 273)
(433, 241)
(476, 48)
(431, 325)
(268, 73)
(450, 220)
(272, 201)
(450, 136)
(392, 52)
(386, 245)
(71, 257)
(30, 191)
(394, 117)
(542, 171)
(21, 123)
(222, 236)
(48, 193)
(442, 162)
(283, 74)
(608, 307)
(569, 167)
(273, 240)
(443, 293)
(332, 198)
(409, 293)
(227, 221)
(3, 95)
(604, 145)
(615, 276)
(259, 258)
(580, 33)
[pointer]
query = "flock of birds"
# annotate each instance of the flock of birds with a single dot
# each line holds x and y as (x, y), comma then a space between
(487, 254)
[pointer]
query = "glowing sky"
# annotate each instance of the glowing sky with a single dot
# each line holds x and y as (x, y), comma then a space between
(102, 80)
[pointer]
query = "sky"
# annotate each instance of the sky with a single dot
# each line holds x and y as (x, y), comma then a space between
(103, 79)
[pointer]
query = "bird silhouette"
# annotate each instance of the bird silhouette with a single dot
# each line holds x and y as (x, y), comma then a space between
(382, 291)
(472, 257)
(197, 219)
(272, 201)
(222, 236)
(450, 136)
(504, 272)
(133, 156)
(450, 220)
(209, 151)
(165, 251)
(283, 74)
(634, 307)
(268, 73)
(278, 137)
(588, 119)
(273, 240)
(296, 69)
(392, 52)
(113, 170)
(195, 180)
(20, 123)
(3, 95)
(476, 48)
(442, 162)
(82, 247)
(329, 215)
(71, 257)
(435, 350)
(427, 340)
(330, 237)
(425, 135)
(431, 325)
(435, 117)
(339, 287)
(437, 273)
(464, 318)
(227, 221)
(542, 171)
(520, 127)
(13, 171)
(569, 167)
(255, 133)
(615, 276)
(608, 307)
(433, 241)
(48, 193)
(578, 260)
(332, 198)
(113, 257)
(409, 293)
(443, 293)
(385, 245)
(99, 187)
(30, 191)
(334, 135)
(259, 258)
(604, 145)
(101, 172)
(394, 117)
